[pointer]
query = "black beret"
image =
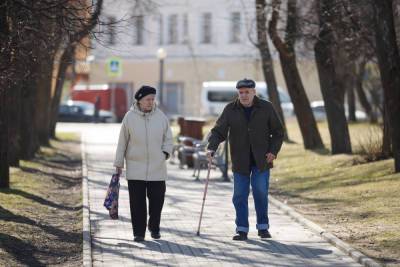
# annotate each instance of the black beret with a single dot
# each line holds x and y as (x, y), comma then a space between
(247, 83)
(143, 91)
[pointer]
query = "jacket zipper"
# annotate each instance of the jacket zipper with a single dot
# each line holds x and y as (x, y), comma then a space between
(249, 129)
(147, 148)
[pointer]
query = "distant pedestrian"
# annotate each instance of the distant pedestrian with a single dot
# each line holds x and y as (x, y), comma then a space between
(97, 109)
(255, 138)
(145, 142)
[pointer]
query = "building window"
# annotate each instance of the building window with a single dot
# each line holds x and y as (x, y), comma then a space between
(235, 27)
(206, 34)
(185, 33)
(111, 23)
(138, 30)
(173, 29)
(160, 30)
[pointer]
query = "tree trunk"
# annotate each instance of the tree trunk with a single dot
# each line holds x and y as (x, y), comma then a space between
(287, 55)
(43, 97)
(14, 113)
(304, 114)
(360, 69)
(386, 137)
(5, 57)
(351, 100)
(389, 65)
(65, 61)
(13, 95)
(396, 17)
(4, 167)
(28, 135)
(331, 85)
(267, 63)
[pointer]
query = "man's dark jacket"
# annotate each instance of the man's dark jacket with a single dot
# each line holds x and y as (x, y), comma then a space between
(263, 133)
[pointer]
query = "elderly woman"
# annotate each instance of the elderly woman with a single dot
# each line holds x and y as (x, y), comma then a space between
(145, 142)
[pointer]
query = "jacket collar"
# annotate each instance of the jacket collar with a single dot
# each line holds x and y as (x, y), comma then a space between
(256, 103)
(135, 108)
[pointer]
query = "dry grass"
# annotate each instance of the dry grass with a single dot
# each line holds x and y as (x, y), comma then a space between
(357, 202)
(41, 214)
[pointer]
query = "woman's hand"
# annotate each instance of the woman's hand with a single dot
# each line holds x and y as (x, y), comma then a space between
(118, 170)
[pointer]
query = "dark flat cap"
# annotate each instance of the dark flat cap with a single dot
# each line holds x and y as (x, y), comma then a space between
(246, 83)
(144, 91)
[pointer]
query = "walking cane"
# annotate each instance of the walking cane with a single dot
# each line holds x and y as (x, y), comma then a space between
(204, 195)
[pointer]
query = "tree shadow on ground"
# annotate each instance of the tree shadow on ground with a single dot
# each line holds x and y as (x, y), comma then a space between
(169, 247)
(66, 180)
(210, 254)
(67, 141)
(264, 245)
(69, 165)
(289, 141)
(39, 199)
(22, 252)
(321, 151)
(123, 254)
(299, 250)
(6, 215)
(97, 216)
(290, 195)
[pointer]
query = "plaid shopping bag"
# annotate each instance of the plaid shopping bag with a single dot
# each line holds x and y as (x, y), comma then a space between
(111, 201)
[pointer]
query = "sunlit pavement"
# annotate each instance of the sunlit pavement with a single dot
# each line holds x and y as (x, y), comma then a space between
(112, 240)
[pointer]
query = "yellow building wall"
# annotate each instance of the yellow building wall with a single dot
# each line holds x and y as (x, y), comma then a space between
(193, 72)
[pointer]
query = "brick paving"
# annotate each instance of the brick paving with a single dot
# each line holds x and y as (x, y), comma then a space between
(112, 240)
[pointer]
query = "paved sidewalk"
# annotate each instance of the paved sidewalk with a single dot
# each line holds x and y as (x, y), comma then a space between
(112, 241)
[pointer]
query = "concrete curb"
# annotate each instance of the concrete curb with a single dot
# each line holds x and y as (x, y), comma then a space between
(346, 248)
(87, 239)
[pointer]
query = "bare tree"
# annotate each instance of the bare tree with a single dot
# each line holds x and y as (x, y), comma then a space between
(73, 38)
(30, 34)
(349, 82)
(5, 59)
(389, 63)
(331, 60)
(266, 60)
(287, 54)
(360, 72)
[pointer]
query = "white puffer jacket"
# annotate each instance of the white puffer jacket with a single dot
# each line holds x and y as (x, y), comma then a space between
(142, 140)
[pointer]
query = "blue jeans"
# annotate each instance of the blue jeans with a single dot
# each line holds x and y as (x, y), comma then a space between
(259, 184)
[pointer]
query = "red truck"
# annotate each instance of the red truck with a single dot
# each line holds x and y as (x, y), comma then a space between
(114, 99)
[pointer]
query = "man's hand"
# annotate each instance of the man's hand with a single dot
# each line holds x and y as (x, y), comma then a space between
(270, 157)
(210, 155)
(118, 170)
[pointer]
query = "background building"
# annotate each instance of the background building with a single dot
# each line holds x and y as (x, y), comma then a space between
(207, 40)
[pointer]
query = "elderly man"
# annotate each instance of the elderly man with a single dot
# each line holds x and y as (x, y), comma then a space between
(255, 138)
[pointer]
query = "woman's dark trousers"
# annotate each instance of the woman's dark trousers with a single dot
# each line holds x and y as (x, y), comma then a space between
(155, 191)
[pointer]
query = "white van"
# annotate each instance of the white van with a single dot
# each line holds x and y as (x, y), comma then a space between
(215, 96)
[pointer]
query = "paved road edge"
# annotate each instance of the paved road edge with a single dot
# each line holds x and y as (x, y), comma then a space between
(87, 239)
(343, 246)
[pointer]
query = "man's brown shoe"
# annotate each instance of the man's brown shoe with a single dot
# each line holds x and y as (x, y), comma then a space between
(264, 233)
(241, 236)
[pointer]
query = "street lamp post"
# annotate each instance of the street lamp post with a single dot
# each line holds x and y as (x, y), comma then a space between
(89, 61)
(161, 55)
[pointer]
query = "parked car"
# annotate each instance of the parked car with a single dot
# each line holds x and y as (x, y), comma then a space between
(109, 98)
(318, 108)
(216, 94)
(81, 111)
